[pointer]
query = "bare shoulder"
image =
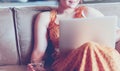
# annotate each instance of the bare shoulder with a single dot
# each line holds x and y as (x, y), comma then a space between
(44, 14)
(91, 12)
(43, 18)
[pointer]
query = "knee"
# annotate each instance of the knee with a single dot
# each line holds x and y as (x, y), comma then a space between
(90, 44)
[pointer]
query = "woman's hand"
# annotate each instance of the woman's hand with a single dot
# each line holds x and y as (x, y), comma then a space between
(35, 67)
(30, 67)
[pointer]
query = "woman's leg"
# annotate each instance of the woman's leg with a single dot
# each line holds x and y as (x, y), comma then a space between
(89, 57)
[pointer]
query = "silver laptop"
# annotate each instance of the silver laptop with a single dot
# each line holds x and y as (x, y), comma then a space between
(76, 32)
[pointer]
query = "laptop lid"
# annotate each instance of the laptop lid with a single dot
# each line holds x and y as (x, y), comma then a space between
(76, 32)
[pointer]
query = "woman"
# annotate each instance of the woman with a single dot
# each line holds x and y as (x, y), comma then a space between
(88, 57)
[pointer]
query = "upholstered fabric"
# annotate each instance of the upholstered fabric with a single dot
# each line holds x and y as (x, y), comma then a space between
(8, 48)
(25, 19)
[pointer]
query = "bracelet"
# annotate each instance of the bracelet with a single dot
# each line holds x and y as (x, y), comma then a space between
(36, 62)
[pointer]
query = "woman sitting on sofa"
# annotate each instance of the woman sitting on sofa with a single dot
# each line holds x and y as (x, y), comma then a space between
(89, 57)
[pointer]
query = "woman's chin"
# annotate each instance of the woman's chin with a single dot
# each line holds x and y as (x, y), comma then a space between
(72, 6)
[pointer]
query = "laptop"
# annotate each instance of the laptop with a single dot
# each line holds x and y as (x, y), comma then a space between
(76, 32)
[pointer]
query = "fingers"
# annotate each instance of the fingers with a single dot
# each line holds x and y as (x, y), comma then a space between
(30, 67)
(42, 69)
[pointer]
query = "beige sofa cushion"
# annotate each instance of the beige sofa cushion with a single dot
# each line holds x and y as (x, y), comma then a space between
(8, 49)
(25, 18)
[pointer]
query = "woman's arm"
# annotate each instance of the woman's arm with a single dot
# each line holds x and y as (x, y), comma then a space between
(40, 36)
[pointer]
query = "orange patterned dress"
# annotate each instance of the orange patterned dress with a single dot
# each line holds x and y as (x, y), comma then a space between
(89, 57)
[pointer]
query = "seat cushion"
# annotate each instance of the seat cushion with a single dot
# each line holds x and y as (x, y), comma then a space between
(13, 68)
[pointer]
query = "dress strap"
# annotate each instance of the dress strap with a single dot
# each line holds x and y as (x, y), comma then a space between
(79, 11)
(53, 14)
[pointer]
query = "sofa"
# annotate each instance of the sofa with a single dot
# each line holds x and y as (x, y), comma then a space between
(16, 32)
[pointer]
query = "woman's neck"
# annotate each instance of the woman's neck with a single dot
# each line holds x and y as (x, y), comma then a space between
(62, 10)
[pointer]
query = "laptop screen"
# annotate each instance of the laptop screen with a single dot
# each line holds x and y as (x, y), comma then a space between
(76, 32)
